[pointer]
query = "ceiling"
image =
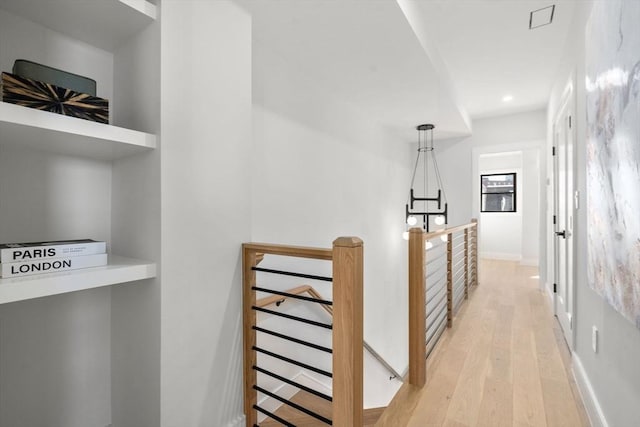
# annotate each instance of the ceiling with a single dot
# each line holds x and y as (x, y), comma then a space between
(408, 62)
(490, 51)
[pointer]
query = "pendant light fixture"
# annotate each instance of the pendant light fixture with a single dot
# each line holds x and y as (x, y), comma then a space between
(432, 205)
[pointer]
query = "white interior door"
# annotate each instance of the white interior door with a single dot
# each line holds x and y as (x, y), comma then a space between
(564, 209)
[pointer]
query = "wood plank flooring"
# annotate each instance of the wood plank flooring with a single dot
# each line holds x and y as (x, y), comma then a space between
(503, 363)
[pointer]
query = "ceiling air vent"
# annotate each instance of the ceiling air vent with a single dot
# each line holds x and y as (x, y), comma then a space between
(541, 17)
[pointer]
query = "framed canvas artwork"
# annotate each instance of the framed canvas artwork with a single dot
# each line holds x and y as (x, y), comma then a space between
(613, 154)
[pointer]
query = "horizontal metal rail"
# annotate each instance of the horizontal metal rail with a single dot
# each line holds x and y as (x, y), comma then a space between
(437, 263)
(459, 275)
(291, 273)
(457, 290)
(439, 320)
(433, 318)
(435, 266)
(293, 405)
(438, 284)
(457, 303)
(431, 258)
(442, 317)
(442, 290)
(456, 265)
(441, 259)
(376, 355)
(293, 383)
(437, 308)
(458, 238)
(294, 296)
(452, 230)
(293, 362)
(431, 345)
(437, 304)
(458, 272)
(438, 244)
(272, 415)
(434, 271)
(288, 316)
(292, 339)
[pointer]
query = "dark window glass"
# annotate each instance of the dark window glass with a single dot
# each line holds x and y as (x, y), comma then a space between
(498, 192)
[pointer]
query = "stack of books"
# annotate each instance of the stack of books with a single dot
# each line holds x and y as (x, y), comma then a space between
(22, 259)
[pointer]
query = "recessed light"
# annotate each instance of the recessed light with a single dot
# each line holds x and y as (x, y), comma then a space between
(507, 98)
(541, 17)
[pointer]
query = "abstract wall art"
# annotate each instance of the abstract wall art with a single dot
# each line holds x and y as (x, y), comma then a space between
(613, 154)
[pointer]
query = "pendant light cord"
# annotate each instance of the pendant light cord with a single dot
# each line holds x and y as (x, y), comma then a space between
(426, 148)
(415, 169)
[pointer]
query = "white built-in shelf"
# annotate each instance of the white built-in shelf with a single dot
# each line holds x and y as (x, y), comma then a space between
(35, 129)
(119, 270)
(106, 24)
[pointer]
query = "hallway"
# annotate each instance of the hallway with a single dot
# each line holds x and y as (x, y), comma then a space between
(504, 362)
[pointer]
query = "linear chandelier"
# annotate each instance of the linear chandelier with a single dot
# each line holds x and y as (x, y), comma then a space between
(426, 208)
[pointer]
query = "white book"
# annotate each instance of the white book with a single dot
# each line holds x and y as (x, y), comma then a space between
(42, 266)
(22, 252)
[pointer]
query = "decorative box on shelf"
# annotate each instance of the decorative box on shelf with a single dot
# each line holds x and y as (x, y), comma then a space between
(43, 73)
(47, 97)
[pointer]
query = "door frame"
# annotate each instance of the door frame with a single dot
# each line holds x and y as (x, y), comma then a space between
(567, 101)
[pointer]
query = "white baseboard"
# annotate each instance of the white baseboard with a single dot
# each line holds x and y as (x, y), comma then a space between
(591, 404)
(238, 422)
(533, 262)
(500, 255)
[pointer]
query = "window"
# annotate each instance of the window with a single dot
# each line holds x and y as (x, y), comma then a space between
(498, 192)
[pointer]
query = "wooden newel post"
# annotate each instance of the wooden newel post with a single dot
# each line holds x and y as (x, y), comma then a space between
(417, 309)
(249, 335)
(347, 332)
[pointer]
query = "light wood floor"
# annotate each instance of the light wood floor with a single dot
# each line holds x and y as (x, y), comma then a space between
(503, 363)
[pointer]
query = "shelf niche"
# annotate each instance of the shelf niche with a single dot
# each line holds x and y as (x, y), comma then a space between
(97, 361)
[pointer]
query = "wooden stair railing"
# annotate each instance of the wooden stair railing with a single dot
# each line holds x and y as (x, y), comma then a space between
(347, 328)
(460, 272)
(308, 289)
(278, 299)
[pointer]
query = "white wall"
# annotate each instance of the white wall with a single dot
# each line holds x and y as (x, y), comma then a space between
(459, 166)
(206, 207)
(502, 231)
(532, 209)
(613, 373)
(323, 170)
(513, 236)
